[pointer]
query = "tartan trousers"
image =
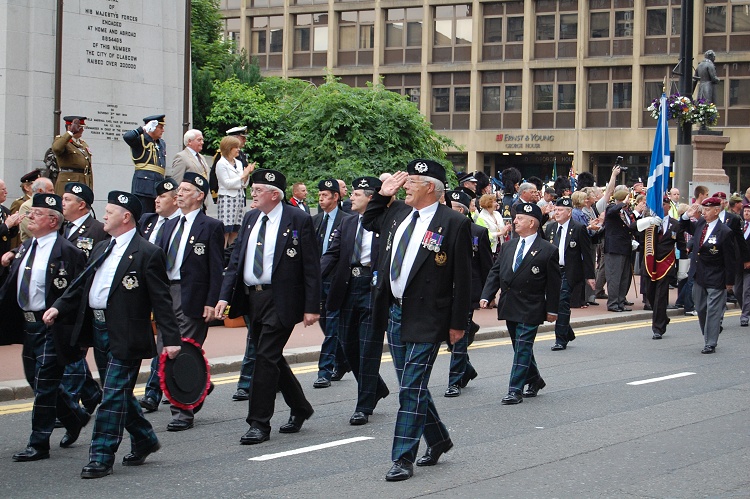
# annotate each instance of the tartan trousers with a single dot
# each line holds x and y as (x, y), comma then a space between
(460, 363)
(78, 382)
(362, 346)
(119, 409)
(44, 375)
(417, 414)
(524, 366)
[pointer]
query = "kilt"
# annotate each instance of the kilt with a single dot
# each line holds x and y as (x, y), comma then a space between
(230, 211)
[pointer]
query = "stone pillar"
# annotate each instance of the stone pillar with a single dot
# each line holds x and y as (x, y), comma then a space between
(708, 153)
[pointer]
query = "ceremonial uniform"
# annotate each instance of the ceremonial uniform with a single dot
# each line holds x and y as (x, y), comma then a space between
(73, 158)
(302, 205)
(150, 159)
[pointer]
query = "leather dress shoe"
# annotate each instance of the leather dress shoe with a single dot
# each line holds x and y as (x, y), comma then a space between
(558, 346)
(337, 374)
(656, 336)
(708, 349)
(592, 303)
(358, 419)
(400, 471)
(452, 391)
(648, 307)
(512, 398)
(293, 425)
(179, 425)
(30, 454)
(628, 303)
(241, 394)
(626, 309)
(533, 388)
(72, 435)
(149, 404)
(672, 307)
(467, 377)
(434, 452)
(601, 295)
(138, 458)
(95, 469)
(473, 330)
(614, 309)
(743, 323)
(254, 436)
(322, 383)
(91, 405)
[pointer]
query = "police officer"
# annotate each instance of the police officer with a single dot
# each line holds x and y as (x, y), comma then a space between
(149, 154)
(73, 155)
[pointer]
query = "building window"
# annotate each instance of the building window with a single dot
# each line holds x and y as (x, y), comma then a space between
(232, 32)
(356, 38)
(404, 84)
(727, 26)
(453, 34)
(503, 31)
(307, 2)
(554, 98)
(258, 3)
(556, 28)
(501, 100)
(662, 27)
(653, 83)
(611, 27)
(356, 81)
(403, 36)
(310, 40)
(609, 97)
(733, 94)
(451, 100)
(267, 41)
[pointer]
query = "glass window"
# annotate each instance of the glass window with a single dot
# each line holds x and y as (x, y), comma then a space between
(515, 29)
(543, 97)
(656, 22)
(441, 100)
(493, 30)
(491, 99)
(598, 95)
(513, 98)
(568, 26)
(716, 19)
(740, 18)
(545, 27)
(600, 25)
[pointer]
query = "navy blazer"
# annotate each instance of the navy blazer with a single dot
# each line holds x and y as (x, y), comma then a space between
(318, 220)
(146, 224)
(296, 268)
(437, 295)
(88, 235)
(579, 257)
(481, 261)
(618, 233)
(202, 263)
(713, 264)
(336, 262)
(65, 263)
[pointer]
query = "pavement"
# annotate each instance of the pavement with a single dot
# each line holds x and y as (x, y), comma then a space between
(225, 346)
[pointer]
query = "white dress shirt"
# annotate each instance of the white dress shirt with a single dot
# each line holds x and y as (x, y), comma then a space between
(269, 245)
(415, 242)
(159, 222)
(102, 283)
(76, 224)
(174, 272)
(38, 283)
(365, 258)
(563, 239)
(528, 241)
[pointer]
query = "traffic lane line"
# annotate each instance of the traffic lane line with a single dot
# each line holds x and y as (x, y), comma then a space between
(310, 448)
(661, 378)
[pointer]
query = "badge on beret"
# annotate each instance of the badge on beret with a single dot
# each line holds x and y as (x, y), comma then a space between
(168, 186)
(572, 244)
(456, 196)
(421, 167)
(328, 183)
(199, 249)
(60, 282)
(441, 259)
(76, 189)
(535, 270)
(130, 282)
(527, 208)
(199, 181)
(291, 252)
(123, 198)
(270, 177)
(363, 183)
(50, 201)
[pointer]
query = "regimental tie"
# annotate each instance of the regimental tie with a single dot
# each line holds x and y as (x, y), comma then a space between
(68, 229)
(175, 246)
(703, 235)
(357, 255)
(519, 256)
(323, 230)
(94, 265)
(160, 232)
(23, 295)
(258, 259)
(398, 257)
(558, 236)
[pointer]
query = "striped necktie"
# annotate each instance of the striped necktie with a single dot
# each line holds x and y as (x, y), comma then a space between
(357, 255)
(398, 258)
(519, 256)
(258, 260)
(175, 246)
(24, 298)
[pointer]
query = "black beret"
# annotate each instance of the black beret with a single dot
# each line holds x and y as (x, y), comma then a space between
(31, 176)
(427, 168)
(83, 191)
(157, 117)
(197, 180)
(530, 209)
(329, 184)
(457, 197)
(367, 183)
(50, 201)
(128, 201)
(167, 185)
(270, 177)
(564, 201)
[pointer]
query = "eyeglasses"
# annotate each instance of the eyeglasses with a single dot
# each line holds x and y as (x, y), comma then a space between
(257, 190)
(37, 214)
(411, 181)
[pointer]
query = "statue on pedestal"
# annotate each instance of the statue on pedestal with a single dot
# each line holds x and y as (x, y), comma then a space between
(705, 78)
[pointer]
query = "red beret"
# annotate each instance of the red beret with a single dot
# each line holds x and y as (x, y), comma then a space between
(712, 201)
(720, 195)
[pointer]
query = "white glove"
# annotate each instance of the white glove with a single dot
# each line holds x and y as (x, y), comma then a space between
(656, 220)
(635, 245)
(150, 126)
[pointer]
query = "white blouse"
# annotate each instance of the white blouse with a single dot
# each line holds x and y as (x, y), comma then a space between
(230, 177)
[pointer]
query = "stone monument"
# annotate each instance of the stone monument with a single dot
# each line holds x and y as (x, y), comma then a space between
(121, 60)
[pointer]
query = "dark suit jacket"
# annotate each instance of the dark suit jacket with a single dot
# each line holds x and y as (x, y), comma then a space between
(579, 257)
(296, 268)
(131, 336)
(618, 233)
(318, 221)
(88, 235)
(481, 261)
(735, 223)
(202, 265)
(6, 239)
(336, 261)
(65, 263)
(712, 265)
(146, 224)
(293, 202)
(533, 291)
(437, 297)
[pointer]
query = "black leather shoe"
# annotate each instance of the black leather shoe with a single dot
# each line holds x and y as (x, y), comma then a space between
(149, 404)
(558, 346)
(293, 425)
(533, 388)
(648, 307)
(358, 419)
(656, 336)
(743, 324)
(179, 425)
(337, 374)
(241, 394)
(453, 391)
(614, 309)
(473, 330)
(512, 398)
(137, 459)
(72, 435)
(322, 383)
(400, 471)
(601, 295)
(254, 436)
(629, 303)
(434, 452)
(626, 309)
(95, 469)
(30, 454)
(672, 307)
(708, 349)
(467, 377)
(91, 405)
(592, 303)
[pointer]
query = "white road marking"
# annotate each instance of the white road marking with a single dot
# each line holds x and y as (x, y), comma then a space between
(311, 448)
(654, 380)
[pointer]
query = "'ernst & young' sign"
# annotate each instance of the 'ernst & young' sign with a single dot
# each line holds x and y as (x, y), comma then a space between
(523, 140)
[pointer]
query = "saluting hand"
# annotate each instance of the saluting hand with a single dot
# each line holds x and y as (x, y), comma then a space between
(392, 184)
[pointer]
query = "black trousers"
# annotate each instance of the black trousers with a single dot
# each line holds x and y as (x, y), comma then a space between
(657, 293)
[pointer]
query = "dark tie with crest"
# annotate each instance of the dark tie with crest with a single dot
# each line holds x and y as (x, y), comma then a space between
(24, 299)
(357, 255)
(175, 246)
(398, 258)
(258, 260)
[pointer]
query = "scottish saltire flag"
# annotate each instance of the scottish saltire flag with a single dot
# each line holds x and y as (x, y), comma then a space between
(658, 175)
